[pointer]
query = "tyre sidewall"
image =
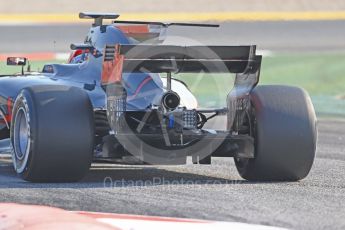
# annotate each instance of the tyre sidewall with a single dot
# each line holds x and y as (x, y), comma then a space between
(25, 101)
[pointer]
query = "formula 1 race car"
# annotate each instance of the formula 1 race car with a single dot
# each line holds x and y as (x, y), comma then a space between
(117, 100)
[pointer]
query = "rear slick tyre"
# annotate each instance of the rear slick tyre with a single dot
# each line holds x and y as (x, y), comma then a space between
(52, 134)
(285, 135)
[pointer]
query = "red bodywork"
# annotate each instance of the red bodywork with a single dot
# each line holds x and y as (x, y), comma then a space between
(112, 69)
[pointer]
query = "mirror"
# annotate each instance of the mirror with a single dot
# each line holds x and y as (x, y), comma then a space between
(20, 61)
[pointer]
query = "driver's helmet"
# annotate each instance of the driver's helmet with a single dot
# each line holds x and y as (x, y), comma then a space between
(78, 56)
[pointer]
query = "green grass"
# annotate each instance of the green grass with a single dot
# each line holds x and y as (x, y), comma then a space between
(322, 75)
(318, 74)
(35, 66)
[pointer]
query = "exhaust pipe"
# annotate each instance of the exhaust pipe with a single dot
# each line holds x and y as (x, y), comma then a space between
(170, 100)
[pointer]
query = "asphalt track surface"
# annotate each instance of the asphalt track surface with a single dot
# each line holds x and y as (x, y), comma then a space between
(213, 192)
(281, 36)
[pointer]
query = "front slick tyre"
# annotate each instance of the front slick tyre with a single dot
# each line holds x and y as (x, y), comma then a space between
(284, 128)
(52, 134)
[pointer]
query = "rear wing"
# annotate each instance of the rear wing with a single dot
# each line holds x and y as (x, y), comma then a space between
(120, 59)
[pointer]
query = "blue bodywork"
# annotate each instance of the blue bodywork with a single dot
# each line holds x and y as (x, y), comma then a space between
(86, 76)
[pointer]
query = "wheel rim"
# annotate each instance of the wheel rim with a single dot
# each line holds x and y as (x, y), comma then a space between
(242, 163)
(21, 134)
